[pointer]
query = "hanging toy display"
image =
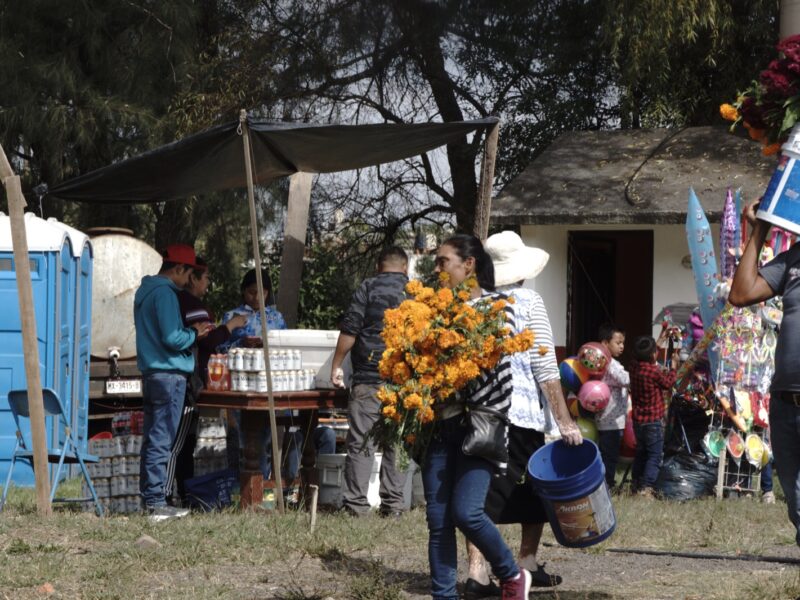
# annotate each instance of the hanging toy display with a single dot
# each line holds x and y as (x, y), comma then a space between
(740, 344)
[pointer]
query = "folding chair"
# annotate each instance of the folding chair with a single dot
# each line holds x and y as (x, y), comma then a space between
(66, 452)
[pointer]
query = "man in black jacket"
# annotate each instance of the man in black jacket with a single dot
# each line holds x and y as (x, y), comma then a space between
(360, 335)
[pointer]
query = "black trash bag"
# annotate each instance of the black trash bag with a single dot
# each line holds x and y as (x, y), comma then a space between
(687, 476)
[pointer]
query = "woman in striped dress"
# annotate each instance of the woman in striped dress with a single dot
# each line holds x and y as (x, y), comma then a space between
(456, 483)
(537, 407)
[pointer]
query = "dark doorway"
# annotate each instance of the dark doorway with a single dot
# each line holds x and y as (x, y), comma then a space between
(610, 276)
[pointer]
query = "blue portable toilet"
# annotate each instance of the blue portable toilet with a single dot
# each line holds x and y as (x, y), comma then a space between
(56, 272)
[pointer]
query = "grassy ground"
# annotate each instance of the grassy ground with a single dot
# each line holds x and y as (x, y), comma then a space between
(238, 555)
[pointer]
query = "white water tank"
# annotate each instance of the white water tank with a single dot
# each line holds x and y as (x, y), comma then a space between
(120, 262)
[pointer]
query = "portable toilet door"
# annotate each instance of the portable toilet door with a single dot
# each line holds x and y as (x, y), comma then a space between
(65, 311)
(46, 245)
(80, 315)
(83, 346)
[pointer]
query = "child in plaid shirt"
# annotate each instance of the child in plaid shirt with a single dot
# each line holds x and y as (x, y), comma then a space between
(648, 384)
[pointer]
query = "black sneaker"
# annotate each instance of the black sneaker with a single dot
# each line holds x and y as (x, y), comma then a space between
(541, 578)
(390, 514)
(474, 590)
(157, 514)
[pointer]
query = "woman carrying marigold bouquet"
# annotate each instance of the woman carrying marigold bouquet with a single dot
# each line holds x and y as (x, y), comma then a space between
(456, 483)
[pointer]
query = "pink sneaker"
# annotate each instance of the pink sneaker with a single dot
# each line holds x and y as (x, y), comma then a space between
(517, 588)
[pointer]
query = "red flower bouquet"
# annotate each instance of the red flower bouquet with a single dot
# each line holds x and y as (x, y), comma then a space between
(770, 107)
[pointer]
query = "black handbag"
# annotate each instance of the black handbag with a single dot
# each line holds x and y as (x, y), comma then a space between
(487, 435)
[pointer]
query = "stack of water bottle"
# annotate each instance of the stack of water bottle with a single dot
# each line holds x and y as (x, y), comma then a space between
(116, 476)
(243, 370)
(210, 451)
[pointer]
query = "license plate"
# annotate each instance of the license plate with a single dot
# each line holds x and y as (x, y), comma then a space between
(123, 386)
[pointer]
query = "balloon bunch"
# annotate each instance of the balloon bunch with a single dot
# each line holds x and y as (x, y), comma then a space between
(582, 374)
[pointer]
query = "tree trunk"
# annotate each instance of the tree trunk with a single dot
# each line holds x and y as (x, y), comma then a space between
(414, 20)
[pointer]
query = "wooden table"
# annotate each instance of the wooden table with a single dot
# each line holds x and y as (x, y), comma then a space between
(255, 420)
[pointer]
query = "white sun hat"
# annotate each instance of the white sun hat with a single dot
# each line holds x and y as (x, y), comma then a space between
(513, 260)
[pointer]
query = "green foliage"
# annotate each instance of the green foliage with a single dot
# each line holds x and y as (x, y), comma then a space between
(328, 284)
(678, 61)
(87, 84)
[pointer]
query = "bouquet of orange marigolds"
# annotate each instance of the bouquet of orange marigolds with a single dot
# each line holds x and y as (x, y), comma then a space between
(770, 106)
(436, 344)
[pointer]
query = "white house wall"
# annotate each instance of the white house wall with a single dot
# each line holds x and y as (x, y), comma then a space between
(671, 281)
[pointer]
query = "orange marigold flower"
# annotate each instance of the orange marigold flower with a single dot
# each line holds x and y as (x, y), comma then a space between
(543, 350)
(410, 439)
(400, 373)
(412, 401)
(728, 112)
(756, 134)
(463, 295)
(444, 277)
(498, 305)
(449, 338)
(414, 287)
(389, 411)
(444, 297)
(386, 396)
(425, 415)
(771, 149)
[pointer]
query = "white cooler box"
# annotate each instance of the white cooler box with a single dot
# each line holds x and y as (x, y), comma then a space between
(317, 347)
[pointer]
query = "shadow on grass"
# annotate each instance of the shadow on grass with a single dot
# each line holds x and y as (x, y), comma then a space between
(337, 561)
(541, 594)
(413, 583)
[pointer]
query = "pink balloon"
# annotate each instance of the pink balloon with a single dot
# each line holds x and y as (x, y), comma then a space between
(594, 395)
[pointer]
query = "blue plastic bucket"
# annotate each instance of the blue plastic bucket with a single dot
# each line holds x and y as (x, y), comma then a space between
(781, 203)
(570, 480)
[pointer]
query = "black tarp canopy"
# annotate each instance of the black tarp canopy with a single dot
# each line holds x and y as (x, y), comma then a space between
(213, 159)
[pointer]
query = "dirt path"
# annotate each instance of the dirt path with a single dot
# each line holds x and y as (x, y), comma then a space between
(587, 575)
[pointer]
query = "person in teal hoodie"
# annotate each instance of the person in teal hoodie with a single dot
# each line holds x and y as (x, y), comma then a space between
(164, 356)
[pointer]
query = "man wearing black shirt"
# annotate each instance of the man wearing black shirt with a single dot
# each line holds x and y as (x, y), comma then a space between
(360, 335)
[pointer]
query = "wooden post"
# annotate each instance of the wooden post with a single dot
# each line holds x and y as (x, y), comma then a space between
(790, 18)
(22, 266)
(273, 427)
(484, 207)
(294, 245)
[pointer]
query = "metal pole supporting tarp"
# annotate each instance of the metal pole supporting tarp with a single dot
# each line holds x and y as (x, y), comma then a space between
(19, 239)
(248, 165)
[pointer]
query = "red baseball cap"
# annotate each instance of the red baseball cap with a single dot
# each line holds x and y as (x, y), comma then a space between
(182, 254)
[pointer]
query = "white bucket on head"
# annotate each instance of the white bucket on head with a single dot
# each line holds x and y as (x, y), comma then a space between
(780, 205)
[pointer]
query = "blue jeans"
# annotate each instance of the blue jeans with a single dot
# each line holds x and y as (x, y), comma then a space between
(609, 442)
(455, 491)
(649, 452)
(164, 394)
(784, 431)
